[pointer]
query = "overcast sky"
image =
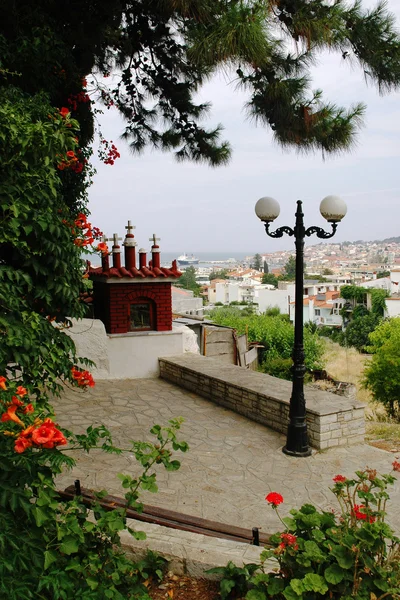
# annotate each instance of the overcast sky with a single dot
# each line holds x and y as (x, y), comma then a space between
(195, 208)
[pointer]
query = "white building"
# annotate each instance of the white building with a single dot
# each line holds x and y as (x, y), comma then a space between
(321, 309)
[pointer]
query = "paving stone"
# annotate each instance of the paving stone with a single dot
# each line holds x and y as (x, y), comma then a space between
(232, 462)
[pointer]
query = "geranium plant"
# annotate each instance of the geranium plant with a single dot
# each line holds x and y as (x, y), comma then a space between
(349, 554)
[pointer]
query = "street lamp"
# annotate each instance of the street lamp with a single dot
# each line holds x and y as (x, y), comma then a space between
(333, 209)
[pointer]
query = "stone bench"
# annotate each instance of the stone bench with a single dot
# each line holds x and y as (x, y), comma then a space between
(332, 420)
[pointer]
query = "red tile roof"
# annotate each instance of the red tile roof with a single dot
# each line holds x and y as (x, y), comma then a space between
(143, 273)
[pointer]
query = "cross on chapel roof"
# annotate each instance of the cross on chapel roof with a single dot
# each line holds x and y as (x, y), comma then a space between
(130, 227)
(114, 239)
(154, 239)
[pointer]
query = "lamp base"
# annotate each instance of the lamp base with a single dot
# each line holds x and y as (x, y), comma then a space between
(304, 454)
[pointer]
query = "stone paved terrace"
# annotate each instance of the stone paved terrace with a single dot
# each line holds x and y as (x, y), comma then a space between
(232, 463)
(333, 420)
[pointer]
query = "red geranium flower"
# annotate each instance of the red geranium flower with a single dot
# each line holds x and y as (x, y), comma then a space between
(361, 515)
(339, 479)
(274, 498)
(289, 539)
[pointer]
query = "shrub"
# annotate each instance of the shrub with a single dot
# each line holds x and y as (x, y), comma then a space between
(276, 333)
(51, 549)
(352, 554)
(382, 373)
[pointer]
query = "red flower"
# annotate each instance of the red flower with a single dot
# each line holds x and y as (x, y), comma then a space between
(361, 515)
(11, 416)
(274, 498)
(289, 540)
(71, 154)
(21, 391)
(339, 479)
(64, 112)
(21, 444)
(17, 401)
(102, 247)
(3, 383)
(29, 408)
(47, 435)
(83, 378)
(396, 465)
(43, 434)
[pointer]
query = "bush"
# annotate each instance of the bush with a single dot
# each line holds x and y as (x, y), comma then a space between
(51, 549)
(349, 555)
(358, 330)
(277, 336)
(382, 373)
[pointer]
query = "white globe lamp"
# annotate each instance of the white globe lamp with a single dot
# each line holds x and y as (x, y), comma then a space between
(267, 209)
(333, 208)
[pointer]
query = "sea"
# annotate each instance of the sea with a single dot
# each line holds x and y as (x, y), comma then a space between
(206, 259)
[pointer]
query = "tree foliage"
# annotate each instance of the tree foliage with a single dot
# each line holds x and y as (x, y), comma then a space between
(270, 279)
(289, 270)
(188, 281)
(219, 274)
(160, 52)
(276, 334)
(257, 262)
(381, 375)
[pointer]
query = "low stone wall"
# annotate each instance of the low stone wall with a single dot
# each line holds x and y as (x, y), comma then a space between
(332, 420)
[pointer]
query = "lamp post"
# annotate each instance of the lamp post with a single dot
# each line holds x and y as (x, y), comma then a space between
(333, 209)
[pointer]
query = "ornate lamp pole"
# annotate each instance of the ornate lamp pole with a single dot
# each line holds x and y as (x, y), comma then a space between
(333, 209)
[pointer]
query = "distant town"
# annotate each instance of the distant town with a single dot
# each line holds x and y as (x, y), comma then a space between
(263, 280)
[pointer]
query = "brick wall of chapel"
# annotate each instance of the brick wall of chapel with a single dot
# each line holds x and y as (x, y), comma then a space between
(112, 302)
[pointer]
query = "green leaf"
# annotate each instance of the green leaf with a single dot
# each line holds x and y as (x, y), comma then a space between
(290, 594)
(297, 586)
(92, 583)
(334, 574)
(41, 515)
(315, 583)
(344, 557)
(256, 595)
(49, 557)
(226, 586)
(139, 535)
(70, 545)
(275, 586)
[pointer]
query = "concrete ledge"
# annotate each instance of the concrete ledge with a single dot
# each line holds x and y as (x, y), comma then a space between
(332, 420)
(188, 553)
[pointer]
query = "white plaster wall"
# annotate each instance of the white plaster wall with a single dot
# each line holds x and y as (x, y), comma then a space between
(190, 341)
(271, 298)
(187, 305)
(129, 355)
(135, 355)
(392, 307)
(91, 341)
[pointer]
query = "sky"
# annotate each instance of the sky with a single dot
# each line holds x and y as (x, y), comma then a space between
(196, 208)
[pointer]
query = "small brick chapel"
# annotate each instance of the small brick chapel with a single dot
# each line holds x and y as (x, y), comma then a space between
(133, 298)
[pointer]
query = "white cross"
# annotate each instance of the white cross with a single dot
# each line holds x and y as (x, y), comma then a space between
(154, 239)
(129, 227)
(114, 239)
(104, 239)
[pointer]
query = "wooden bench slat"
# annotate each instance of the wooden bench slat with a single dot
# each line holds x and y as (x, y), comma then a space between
(170, 518)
